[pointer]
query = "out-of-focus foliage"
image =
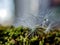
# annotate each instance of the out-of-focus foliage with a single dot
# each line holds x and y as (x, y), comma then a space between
(10, 35)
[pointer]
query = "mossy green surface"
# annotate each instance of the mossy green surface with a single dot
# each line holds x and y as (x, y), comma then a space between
(10, 35)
